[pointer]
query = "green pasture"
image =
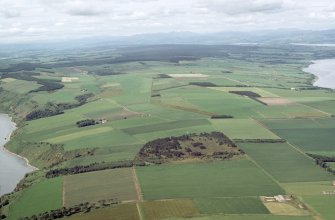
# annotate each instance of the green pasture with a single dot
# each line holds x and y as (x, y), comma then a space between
(285, 163)
(322, 204)
(40, 197)
(233, 178)
(243, 129)
(99, 185)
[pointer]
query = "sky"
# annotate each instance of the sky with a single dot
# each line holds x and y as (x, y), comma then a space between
(45, 20)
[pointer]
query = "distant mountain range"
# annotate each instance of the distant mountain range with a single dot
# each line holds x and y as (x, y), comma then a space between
(281, 36)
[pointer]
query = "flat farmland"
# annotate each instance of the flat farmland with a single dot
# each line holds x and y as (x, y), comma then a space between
(322, 204)
(240, 205)
(285, 163)
(165, 126)
(243, 129)
(126, 211)
(309, 135)
(248, 217)
(308, 188)
(99, 185)
(41, 197)
(233, 178)
(154, 210)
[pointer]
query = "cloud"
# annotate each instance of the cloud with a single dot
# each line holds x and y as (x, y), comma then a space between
(33, 19)
(9, 13)
(243, 6)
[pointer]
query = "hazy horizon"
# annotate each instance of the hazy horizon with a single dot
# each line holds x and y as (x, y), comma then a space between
(41, 20)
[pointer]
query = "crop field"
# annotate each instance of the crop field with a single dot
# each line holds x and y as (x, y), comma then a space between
(285, 163)
(99, 185)
(278, 208)
(165, 126)
(223, 179)
(322, 204)
(309, 135)
(247, 205)
(152, 210)
(96, 108)
(126, 211)
(308, 188)
(243, 129)
(41, 197)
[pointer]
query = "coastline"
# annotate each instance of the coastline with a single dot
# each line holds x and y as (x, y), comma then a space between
(318, 76)
(27, 163)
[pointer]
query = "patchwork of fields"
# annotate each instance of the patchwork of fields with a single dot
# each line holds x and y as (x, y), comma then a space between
(267, 109)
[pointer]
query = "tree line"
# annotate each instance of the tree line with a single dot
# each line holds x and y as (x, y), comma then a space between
(69, 211)
(52, 109)
(92, 167)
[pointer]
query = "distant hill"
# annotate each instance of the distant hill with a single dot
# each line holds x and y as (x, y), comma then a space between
(280, 36)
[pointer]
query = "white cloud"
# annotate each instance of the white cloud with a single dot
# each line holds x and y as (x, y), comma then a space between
(47, 19)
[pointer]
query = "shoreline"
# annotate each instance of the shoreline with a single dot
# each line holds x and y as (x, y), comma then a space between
(316, 76)
(27, 162)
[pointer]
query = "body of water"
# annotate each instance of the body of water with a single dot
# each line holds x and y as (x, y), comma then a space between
(12, 168)
(325, 72)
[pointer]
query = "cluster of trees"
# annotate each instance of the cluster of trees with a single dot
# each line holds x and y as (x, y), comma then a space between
(162, 147)
(82, 99)
(68, 211)
(203, 84)
(162, 76)
(260, 140)
(86, 122)
(91, 167)
(107, 72)
(3, 202)
(157, 151)
(47, 84)
(221, 116)
(246, 93)
(51, 109)
(323, 161)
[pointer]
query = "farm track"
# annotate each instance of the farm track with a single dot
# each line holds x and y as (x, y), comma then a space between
(137, 185)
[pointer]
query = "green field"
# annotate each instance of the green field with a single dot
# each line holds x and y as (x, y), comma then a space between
(107, 184)
(285, 163)
(134, 99)
(322, 204)
(223, 179)
(41, 197)
(243, 129)
(309, 135)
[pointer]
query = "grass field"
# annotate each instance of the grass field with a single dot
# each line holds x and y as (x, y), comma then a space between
(141, 104)
(285, 163)
(223, 179)
(241, 205)
(154, 210)
(309, 135)
(322, 204)
(126, 211)
(99, 185)
(243, 129)
(308, 188)
(249, 217)
(41, 197)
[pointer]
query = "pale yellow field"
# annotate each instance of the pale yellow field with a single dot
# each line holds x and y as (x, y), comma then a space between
(79, 134)
(278, 208)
